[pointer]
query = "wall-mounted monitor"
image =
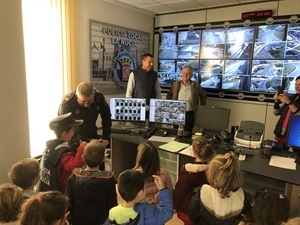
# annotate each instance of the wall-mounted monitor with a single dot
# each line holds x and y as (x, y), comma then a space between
(236, 75)
(213, 36)
(189, 37)
(211, 73)
(167, 111)
(128, 109)
(256, 58)
(212, 118)
(167, 46)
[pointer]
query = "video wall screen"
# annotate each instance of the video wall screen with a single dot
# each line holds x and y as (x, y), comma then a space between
(254, 58)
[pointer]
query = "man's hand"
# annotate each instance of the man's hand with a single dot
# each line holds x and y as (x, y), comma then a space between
(83, 143)
(276, 98)
(284, 98)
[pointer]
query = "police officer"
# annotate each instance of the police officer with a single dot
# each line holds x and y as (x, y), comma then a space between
(86, 103)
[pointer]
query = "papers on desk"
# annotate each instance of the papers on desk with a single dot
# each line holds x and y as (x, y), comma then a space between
(161, 139)
(188, 151)
(283, 162)
(173, 146)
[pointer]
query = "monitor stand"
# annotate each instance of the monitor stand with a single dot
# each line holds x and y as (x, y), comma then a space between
(127, 125)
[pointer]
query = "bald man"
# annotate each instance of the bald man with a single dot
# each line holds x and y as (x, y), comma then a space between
(87, 103)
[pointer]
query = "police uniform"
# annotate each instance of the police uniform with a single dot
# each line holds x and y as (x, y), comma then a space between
(89, 114)
(56, 164)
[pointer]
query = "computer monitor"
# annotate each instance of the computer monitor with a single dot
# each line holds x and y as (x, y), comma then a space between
(211, 118)
(293, 135)
(166, 111)
(128, 109)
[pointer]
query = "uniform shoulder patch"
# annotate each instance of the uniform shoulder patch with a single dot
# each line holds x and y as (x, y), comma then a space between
(68, 97)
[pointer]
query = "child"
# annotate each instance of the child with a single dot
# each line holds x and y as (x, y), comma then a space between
(148, 162)
(192, 175)
(269, 208)
(58, 160)
(11, 199)
(131, 189)
(222, 201)
(25, 174)
(91, 192)
(47, 208)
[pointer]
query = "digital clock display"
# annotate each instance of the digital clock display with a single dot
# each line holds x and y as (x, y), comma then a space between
(256, 14)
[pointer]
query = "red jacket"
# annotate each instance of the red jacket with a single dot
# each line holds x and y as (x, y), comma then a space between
(67, 163)
(191, 176)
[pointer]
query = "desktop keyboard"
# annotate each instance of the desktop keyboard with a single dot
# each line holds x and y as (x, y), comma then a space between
(120, 130)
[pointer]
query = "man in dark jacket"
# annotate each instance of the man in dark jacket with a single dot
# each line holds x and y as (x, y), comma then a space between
(143, 81)
(86, 103)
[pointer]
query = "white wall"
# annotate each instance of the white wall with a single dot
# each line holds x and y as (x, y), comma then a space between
(285, 7)
(247, 110)
(14, 129)
(107, 13)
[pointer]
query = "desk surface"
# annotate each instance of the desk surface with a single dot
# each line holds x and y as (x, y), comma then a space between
(255, 164)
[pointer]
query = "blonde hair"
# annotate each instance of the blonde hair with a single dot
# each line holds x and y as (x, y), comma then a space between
(224, 174)
(24, 172)
(11, 198)
(44, 209)
(203, 149)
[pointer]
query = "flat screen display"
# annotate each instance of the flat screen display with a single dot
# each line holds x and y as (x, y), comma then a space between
(212, 118)
(256, 58)
(167, 111)
(128, 109)
(293, 135)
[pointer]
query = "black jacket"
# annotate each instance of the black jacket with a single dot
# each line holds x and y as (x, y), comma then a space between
(89, 115)
(91, 196)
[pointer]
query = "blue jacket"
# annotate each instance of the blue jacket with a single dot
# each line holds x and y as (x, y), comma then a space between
(158, 215)
(151, 214)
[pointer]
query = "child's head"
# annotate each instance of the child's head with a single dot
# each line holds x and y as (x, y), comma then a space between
(224, 173)
(46, 208)
(130, 184)
(11, 199)
(93, 154)
(148, 160)
(270, 208)
(202, 149)
(63, 126)
(25, 173)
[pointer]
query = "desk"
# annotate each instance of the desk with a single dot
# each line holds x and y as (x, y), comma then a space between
(124, 149)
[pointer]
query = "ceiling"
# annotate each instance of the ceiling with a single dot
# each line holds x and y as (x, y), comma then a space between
(158, 7)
